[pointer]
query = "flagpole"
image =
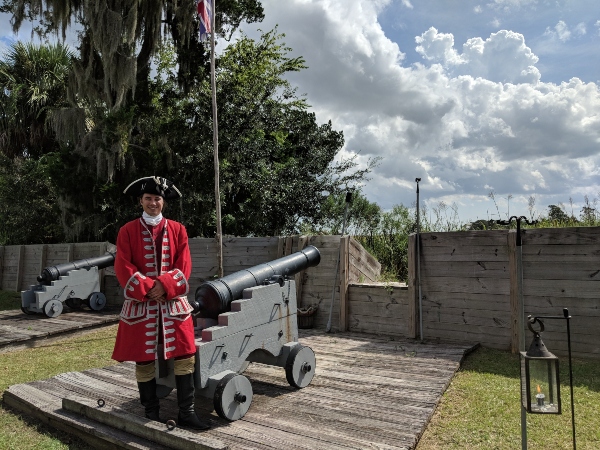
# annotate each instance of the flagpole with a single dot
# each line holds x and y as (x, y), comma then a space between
(213, 85)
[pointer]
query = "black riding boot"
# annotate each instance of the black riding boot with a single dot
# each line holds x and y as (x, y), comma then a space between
(185, 400)
(149, 399)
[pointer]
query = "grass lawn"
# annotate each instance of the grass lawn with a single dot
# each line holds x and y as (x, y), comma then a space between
(72, 354)
(481, 408)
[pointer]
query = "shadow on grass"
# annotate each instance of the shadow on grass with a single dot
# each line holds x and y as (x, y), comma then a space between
(586, 372)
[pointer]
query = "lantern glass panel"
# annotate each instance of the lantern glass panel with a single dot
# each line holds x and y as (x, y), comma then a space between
(540, 385)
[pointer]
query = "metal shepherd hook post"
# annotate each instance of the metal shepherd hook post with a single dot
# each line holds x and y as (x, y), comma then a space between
(337, 266)
(419, 263)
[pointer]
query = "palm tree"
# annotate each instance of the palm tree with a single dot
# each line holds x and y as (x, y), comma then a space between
(33, 82)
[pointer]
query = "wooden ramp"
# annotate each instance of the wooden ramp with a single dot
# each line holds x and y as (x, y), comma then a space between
(19, 330)
(368, 392)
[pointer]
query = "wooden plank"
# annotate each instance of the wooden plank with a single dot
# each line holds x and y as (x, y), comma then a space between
(153, 431)
(562, 236)
(560, 270)
(488, 302)
(565, 253)
(463, 238)
(477, 285)
(471, 252)
(560, 289)
(463, 269)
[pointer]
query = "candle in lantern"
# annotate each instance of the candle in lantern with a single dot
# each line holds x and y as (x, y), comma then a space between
(540, 397)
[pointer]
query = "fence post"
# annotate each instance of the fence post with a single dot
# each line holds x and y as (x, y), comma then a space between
(413, 294)
(299, 277)
(516, 294)
(20, 270)
(43, 258)
(2, 267)
(344, 263)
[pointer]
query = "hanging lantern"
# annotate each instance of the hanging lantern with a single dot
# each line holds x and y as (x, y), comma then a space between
(540, 381)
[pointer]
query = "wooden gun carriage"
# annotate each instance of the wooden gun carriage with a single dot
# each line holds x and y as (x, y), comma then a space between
(256, 321)
(72, 283)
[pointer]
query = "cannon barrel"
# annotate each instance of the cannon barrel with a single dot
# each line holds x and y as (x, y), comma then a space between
(214, 297)
(53, 273)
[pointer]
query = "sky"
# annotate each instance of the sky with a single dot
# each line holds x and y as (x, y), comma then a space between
(473, 97)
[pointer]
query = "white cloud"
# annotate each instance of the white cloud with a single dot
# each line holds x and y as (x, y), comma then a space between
(461, 121)
(439, 47)
(502, 57)
(562, 32)
(580, 29)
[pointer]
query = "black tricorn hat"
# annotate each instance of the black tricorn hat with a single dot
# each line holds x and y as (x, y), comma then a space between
(153, 185)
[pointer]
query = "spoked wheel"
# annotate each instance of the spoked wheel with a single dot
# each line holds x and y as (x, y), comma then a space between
(53, 308)
(96, 301)
(300, 366)
(233, 397)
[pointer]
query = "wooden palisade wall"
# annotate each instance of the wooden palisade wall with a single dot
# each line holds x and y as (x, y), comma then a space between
(20, 266)
(470, 287)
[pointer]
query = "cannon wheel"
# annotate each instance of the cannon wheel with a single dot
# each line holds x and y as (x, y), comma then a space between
(233, 396)
(53, 308)
(96, 301)
(300, 366)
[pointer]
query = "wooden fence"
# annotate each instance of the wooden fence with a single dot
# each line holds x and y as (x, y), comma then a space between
(21, 264)
(470, 288)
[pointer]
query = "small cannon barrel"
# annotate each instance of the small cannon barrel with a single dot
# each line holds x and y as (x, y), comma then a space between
(214, 297)
(53, 273)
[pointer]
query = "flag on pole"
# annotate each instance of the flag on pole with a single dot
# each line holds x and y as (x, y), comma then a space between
(205, 15)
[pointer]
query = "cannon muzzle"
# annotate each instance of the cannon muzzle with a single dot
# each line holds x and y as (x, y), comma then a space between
(214, 297)
(53, 273)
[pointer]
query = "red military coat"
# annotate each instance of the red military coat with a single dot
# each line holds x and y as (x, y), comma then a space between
(137, 266)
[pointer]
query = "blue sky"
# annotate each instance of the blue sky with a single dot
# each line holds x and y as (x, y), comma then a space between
(473, 97)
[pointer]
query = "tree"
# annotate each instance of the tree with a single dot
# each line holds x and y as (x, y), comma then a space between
(28, 203)
(33, 82)
(557, 214)
(110, 90)
(277, 162)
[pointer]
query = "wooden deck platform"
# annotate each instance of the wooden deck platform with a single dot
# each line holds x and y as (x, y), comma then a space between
(368, 392)
(19, 330)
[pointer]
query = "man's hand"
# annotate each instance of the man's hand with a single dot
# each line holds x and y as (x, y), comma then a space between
(157, 292)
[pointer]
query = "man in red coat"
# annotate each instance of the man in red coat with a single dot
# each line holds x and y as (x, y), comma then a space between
(153, 266)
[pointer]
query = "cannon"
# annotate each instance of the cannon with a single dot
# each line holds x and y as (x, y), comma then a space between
(73, 283)
(256, 315)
